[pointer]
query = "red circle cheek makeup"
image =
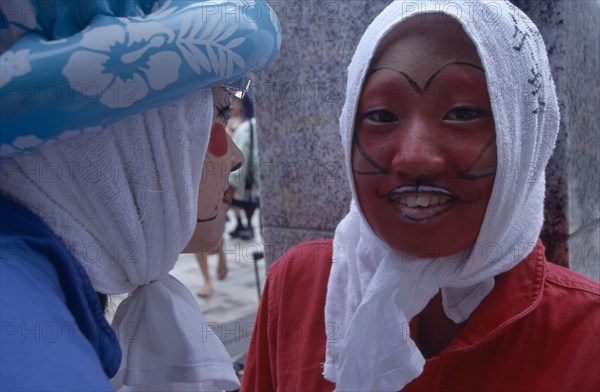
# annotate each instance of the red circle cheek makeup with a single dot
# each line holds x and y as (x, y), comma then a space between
(217, 145)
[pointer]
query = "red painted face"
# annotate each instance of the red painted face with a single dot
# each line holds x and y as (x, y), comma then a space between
(424, 153)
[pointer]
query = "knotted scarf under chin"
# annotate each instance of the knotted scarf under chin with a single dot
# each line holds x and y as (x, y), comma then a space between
(372, 294)
(165, 340)
(126, 209)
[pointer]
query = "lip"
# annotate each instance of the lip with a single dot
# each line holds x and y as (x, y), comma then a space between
(420, 203)
(212, 218)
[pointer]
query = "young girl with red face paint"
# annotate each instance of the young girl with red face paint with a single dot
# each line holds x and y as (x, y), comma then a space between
(116, 223)
(435, 279)
(222, 158)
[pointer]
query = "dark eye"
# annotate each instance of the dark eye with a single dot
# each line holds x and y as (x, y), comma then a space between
(466, 114)
(381, 116)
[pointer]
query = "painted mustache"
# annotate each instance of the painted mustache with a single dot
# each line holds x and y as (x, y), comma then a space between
(472, 172)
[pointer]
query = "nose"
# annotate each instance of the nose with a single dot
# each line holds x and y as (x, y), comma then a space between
(237, 157)
(419, 151)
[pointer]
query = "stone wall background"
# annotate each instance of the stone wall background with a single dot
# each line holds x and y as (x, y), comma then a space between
(304, 192)
(571, 31)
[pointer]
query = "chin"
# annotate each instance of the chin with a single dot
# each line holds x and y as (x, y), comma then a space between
(205, 245)
(430, 249)
(206, 237)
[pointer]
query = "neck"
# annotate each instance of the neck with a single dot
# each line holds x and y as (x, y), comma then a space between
(435, 330)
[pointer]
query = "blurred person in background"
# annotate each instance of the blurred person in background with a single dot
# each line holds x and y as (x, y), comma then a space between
(245, 182)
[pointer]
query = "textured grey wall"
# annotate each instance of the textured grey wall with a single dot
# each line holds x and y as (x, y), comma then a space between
(571, 30)
(304, 192)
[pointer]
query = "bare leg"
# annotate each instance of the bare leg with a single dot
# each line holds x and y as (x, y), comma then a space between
(222, 266)
(205, 291)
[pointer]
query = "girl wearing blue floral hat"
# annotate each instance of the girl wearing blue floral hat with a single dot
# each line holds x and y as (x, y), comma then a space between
(108, 108)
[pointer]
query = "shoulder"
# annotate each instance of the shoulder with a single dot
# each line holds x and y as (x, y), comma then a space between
(566, 298)
(288, 343)
(25, 264)
(28, 278)
(569, 312)
(567, 279)
(302, 272)
(566, 325)
(307, 258)
(572, 292)
(44, 345)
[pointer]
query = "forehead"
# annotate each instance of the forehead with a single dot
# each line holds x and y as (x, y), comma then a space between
(424, 43)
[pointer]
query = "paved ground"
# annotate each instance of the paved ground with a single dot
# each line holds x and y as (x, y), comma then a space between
(232, 308)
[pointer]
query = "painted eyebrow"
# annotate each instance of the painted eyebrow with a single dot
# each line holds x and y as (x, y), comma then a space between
(411, 81)
(415, 85)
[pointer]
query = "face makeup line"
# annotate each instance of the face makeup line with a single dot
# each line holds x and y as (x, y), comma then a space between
(438, 197)
(435, 197)
(381, 170)
(463, 175)
(415, 85)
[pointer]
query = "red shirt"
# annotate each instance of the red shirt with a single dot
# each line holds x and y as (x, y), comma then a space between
(539, 329)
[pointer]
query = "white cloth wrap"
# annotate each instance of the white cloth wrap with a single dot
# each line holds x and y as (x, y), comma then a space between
(373, 291)
(123, 200)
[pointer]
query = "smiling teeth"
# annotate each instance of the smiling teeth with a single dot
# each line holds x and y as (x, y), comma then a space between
(422, 200)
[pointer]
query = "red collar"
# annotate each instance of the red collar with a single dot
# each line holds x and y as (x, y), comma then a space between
(516, 293)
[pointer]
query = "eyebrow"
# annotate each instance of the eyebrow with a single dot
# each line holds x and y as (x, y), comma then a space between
(415, 85)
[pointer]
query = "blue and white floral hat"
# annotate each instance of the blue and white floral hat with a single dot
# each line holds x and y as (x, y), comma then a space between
(69, 67)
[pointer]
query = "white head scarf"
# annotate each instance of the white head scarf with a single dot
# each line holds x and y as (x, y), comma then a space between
(124, 202)
(374, 291)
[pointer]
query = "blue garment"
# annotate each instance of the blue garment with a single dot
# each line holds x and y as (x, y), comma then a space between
(54, 335)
